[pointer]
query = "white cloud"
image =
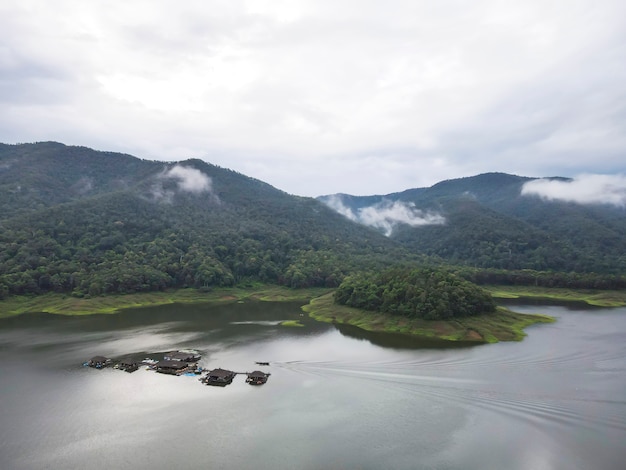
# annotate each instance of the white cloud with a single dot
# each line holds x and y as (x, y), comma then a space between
(335, 202)
(385, 215)
(189, 179)
(583, 189)
(300, 93)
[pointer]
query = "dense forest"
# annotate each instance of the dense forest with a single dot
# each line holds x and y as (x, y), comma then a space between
(490, 224)
(90, 223)
(74, 220)
(549, 279)
(430, 294)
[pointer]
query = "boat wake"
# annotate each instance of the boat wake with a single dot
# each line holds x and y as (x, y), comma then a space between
(539, 404)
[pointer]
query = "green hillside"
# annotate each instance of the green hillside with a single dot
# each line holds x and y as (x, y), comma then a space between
(489, 224)
(75, 220)
(86, 222)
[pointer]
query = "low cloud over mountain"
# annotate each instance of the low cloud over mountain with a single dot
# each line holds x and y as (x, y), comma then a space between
(385, 215)
(584, 189)
(187, 179)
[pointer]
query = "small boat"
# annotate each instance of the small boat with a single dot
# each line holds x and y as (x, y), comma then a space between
(257, 378)
(219, 377)
(262, 363)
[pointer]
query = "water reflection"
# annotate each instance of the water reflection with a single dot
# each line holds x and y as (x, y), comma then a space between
(400, 341)
(338, 397)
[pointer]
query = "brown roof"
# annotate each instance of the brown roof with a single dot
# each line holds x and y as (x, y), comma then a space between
(171, 365)
(220, 373)
(99, 359)
(182, 356)
(257, 373)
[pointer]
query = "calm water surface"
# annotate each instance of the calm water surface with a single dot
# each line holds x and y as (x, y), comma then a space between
(336, 398)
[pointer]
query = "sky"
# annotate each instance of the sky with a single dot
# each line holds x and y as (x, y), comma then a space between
(320, 97)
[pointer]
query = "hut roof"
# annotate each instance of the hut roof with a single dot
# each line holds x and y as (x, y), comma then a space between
(220, 373)
(171, 364)
(99, 359)
(128, 361)
(257, 373)
(181, 356)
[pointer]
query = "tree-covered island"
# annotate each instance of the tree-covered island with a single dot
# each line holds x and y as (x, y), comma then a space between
(422, 302)
(425, 293)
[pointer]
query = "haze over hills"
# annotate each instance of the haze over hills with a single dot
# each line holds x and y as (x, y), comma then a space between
(497, 220)
(77, 220)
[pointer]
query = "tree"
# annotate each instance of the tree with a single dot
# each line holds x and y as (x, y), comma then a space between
(431, 294)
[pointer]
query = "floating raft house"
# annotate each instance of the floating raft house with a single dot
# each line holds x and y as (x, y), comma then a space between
(183, 356)
(182, 362)
(257, 377)
(219, 377)
(128, 364)
(171, 367)
(99, 362)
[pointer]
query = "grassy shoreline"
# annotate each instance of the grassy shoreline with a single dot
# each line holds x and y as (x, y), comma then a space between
(504, 325)
(60, 304)
(597, 298)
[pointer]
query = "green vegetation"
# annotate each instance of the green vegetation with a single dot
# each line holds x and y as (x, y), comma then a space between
(542, 279)
(422, 302)
(424, 293)
(502, 325)
(490, 225)
(85, 223)
(598, 298)
(84, 231)
(68, 305)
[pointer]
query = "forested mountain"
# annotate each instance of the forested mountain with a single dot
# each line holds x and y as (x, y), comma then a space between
(35, 176)
(487, 222)
(85, 222)
(76, 220)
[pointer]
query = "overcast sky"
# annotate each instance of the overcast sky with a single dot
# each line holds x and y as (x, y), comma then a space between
(318, 97)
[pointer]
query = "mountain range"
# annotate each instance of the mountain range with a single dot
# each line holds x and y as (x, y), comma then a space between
(77, 220)
(497, 220)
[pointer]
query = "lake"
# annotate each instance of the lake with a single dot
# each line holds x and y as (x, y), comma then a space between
(336, 398)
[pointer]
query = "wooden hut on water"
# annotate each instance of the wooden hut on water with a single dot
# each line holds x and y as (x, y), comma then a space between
(219, 377)
(128, 364)
(183, 356)
(257, 377)
(99, 362)
(171, 367)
